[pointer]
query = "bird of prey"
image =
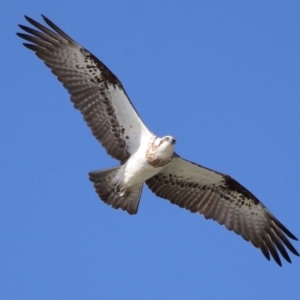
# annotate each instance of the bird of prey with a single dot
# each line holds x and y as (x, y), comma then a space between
(102, 100)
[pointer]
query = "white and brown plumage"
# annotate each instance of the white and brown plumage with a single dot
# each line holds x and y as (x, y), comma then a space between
(100, 97)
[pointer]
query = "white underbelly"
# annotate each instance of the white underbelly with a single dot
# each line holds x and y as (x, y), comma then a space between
(135, 172)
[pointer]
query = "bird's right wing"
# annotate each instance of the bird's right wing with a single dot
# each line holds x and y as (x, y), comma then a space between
(94, 89)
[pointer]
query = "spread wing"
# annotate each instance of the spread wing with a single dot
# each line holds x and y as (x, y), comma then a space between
(219, 197)
(94, 89)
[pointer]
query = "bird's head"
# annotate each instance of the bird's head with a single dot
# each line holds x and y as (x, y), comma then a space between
(165, 146)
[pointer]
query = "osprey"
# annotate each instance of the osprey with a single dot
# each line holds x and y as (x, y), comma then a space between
(100, 97)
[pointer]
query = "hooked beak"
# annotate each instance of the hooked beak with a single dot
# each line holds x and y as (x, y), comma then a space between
(173, 141)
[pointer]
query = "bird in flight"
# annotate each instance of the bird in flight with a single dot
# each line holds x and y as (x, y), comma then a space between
(145, 158)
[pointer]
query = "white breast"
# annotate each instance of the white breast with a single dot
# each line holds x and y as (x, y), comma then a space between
(135, 171)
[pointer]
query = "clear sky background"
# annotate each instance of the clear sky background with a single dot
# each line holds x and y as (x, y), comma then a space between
(220, 76)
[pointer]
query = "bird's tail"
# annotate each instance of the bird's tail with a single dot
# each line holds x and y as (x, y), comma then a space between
(110, 195)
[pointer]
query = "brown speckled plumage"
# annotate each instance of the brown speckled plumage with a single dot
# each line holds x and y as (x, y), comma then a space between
(151, 156)
(221, 198)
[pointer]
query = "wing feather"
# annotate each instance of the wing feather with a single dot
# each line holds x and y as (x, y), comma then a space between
(219, 197)
(95, 91)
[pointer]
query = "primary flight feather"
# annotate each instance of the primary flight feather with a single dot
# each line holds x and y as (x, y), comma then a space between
(100, 97)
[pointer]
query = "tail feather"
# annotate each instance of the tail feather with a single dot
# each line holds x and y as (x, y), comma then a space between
(108, 193)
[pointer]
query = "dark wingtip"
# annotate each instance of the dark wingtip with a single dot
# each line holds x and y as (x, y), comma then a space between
(44, 18)
(21, 35)
(290, 235)
(28, 18)
(50, 23)
(277, 260)
(30, 46)
(283, 228)
(22, 26)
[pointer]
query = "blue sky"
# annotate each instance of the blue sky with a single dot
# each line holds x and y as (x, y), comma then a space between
(220, 76)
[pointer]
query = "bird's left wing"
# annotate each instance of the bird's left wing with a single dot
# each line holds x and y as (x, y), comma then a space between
(219, 197)
(94, 89)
